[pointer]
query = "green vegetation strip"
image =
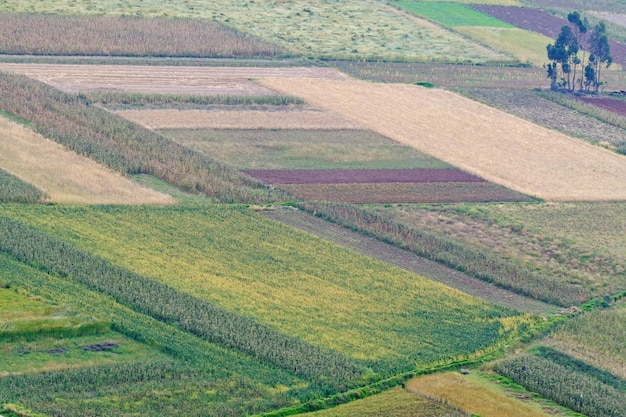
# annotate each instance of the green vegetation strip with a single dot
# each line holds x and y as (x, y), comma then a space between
(474, 262)
(164, 303)
(452, 14)
(125, 100)
(566, 386)
(232, 383)
(14, 190)
(123, 146)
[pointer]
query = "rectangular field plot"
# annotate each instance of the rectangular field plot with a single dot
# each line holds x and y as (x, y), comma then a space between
(476, 138)
(286, 279)
(452, 14)
(391, 193)
(303, 149)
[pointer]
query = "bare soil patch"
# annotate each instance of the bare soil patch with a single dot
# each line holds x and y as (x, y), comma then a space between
(361, 176)
(404, 193)
(238, 119)
(65, 176)
(162, 79)
(473, 137)
(404, 259)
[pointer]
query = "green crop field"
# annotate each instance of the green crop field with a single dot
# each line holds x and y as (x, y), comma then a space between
(452, 14)
(285, 279)
(346, 29)
(14, 190)
(303, 149)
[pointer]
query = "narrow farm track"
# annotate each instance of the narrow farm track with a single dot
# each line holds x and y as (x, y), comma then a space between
(163, 79)
(481, 140)
(390, 254)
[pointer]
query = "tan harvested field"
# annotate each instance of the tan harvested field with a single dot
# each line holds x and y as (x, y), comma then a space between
(163, 79)
(64, 175)
(484, 141)
(238, 119)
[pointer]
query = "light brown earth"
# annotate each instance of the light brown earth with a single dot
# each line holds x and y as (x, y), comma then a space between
(237, 119)
(474, 137)
(163, 79)
(64, 175)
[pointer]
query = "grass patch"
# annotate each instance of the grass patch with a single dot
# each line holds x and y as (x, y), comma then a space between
(303, 149)
(525, 45)
(14, 190)
(353, 29)
(299, 285)
(452, 14)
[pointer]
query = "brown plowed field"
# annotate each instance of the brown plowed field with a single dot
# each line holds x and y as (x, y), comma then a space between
(404, 193)
(64, 175)
(238, 119)
(481, 140)
(360, 176)
(163, 79)
(610, 104)
(406, 260)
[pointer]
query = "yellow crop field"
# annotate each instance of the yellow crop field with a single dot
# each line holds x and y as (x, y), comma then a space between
(472, 136)
(65, 176)
(472, 395)
(237, 119)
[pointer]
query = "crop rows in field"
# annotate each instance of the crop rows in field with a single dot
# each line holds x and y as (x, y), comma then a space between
(545, 23)
(309, 289)
(220, 373)
(162, 79)
(348, 29)
(481, 140)
(126, 36)
(406, 260)
(537, 109)
(63, 175)
(452, 14)
(14, 190)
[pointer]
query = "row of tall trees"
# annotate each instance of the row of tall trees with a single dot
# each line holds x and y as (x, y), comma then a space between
(570, 68)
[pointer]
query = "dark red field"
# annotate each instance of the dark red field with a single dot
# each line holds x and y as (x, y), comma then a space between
(361, 176)
(542, 22)
(609, 104)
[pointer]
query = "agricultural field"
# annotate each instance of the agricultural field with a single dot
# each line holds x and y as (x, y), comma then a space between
(522, 156)
(350, 29)
(14, 190)
(64, 176)
(317, 292)
(126, 36)
(545, 237)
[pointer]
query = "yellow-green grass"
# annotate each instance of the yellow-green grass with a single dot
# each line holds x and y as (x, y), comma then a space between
(303, 149)
(474, 395)
(527, 46)
(285, 278)
(63, 175)
(597, 338)
(484, 141)
(237, 119)
(451, 14)
(50, 354)
(396, 402)
(345, 29)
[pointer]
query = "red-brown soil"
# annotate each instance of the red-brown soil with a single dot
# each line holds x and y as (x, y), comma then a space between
(361, 176)
(544, 23)
(610, 104)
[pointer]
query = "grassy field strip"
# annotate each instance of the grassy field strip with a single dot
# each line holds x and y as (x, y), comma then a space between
(318, 28)
(527, 46)
(452, 14)
(15, 190)
(471, 394)
(406, 260)
(472, 136)
(238, 119)
(162, 79)
(65, 176)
